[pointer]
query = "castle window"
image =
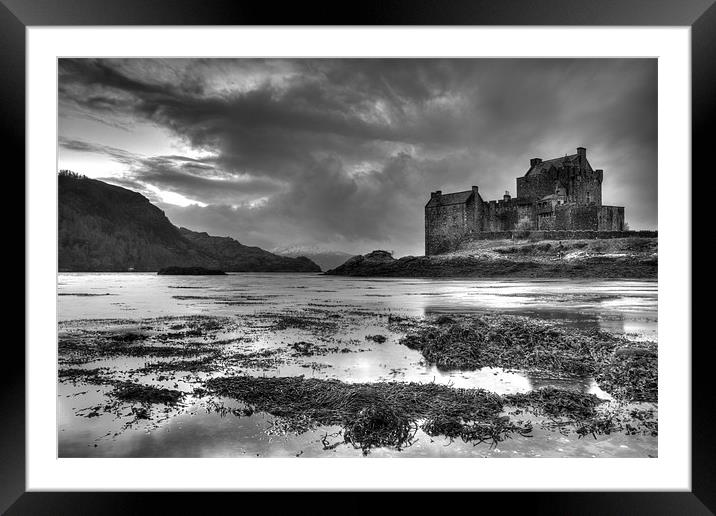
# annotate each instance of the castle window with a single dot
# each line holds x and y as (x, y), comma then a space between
(589, 197)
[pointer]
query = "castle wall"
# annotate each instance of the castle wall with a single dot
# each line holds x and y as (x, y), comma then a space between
(585, 187)
(479, 211)
(546, 221)
(446, 223)
(559, 235)
(575, 217)
(611, 218)
(590, 217)
(535, 187)
(529, 212)
(499, 216)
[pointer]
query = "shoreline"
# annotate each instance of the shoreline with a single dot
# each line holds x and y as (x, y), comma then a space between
(622, 258)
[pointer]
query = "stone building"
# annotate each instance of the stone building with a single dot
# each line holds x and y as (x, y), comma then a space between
(557, 194)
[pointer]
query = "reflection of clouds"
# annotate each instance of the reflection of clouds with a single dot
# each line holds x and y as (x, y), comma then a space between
(493, 379)
(615, 306)
(584, 385)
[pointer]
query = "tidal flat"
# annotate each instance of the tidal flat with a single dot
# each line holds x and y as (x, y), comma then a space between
(303, 365)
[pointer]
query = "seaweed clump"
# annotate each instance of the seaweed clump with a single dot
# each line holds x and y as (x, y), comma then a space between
(625, 369)
(145, 394)
(509, 341)
(631, 372)
(375, 415)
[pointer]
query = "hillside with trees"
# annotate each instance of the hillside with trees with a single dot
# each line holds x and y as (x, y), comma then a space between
(102, 227)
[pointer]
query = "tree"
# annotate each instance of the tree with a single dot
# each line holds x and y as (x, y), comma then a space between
(69, 173)
(524, 224)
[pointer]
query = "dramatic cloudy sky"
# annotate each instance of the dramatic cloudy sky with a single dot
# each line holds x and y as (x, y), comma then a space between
(343, 154)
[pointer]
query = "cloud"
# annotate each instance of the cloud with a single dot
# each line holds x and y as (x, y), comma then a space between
(189, 177)
(345, 152)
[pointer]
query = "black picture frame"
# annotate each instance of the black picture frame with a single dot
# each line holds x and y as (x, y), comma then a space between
(16, 15)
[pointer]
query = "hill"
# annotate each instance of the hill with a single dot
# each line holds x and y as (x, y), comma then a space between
(102, 227)
(236, 257)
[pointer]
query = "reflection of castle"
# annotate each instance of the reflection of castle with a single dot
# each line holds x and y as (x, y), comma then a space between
(557, 194)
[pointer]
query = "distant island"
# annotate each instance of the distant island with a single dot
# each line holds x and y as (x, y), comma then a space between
(633, 257)
(107, 228)
(189, 271)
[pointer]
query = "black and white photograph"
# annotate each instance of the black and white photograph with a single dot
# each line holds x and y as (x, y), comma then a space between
(357, 257)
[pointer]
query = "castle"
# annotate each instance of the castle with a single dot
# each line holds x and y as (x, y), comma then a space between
(557, 194)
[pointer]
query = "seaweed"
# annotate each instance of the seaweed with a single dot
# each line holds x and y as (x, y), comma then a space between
(390, 413)
(631, 372)
(94, 376)
(284, 322)
(145, 394)
(625, 369)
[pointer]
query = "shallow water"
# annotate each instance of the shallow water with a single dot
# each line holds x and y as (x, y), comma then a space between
(352, 309)
(613, 305)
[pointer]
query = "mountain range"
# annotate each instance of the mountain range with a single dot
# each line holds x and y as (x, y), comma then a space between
(103, 227)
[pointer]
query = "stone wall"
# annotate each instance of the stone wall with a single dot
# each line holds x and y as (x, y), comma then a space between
(611, 218)
(558, 235)
(585, 187)
(546, 221)
(591, 217)
(534, 187)
(443, 223)
(453, 242)
(499, 215)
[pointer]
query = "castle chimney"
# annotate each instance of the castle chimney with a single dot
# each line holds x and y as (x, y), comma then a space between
(582, 152)
(436, 194)
(535, 161)
(507, 196)
(475, 189)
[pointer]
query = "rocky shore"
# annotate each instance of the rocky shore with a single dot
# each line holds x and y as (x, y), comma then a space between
(614, 258)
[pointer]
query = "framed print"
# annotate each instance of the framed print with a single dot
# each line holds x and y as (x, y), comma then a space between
(386, 253)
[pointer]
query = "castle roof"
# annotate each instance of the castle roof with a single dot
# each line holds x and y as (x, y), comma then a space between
(544, 166)
(451, 198)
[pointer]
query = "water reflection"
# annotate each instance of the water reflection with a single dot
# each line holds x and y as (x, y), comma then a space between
(612, 305)
(583, 385)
